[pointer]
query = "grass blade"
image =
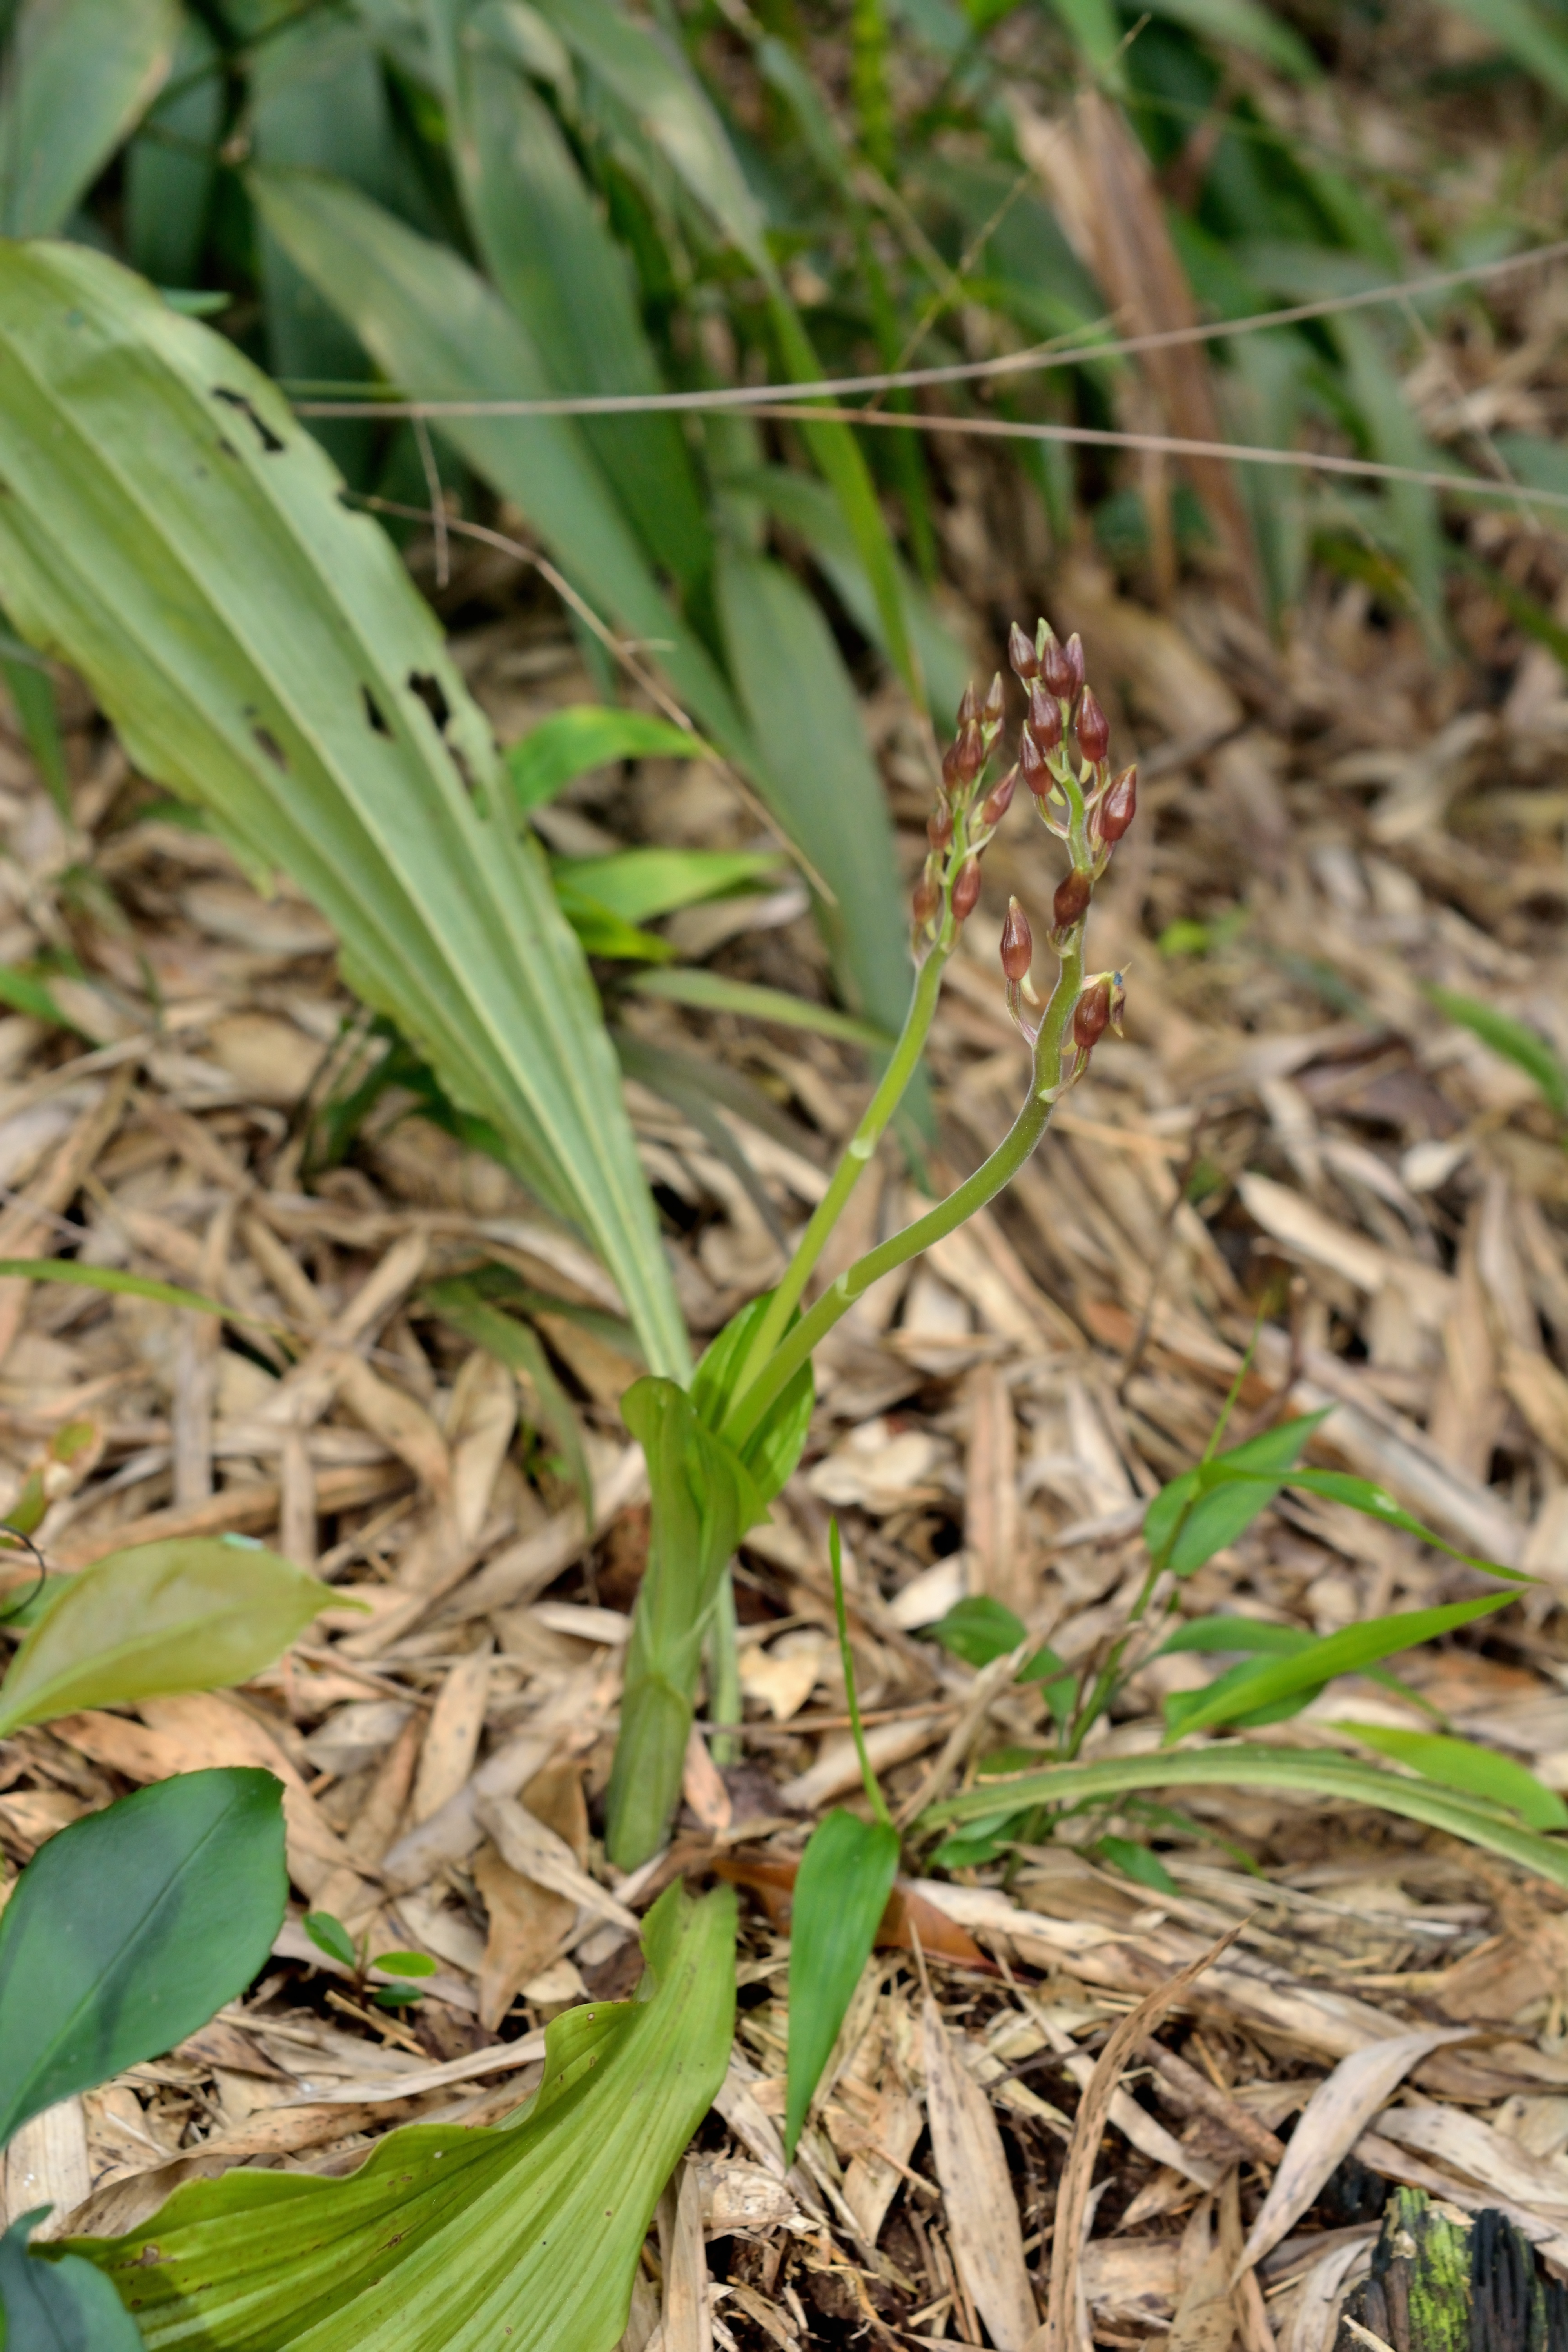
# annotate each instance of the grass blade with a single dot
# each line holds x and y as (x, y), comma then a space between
(713, 991)
(1245, 1689)
(1515, 1041)
(1473, 1771)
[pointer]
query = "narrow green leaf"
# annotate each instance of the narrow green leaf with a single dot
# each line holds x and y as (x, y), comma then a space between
(1234, 1632)
(704, 1499)
(1245, 1689)
(587, 735)
(172, 532)
(328, 1935)
(1527, 32)
(1515, 1041)
(1473, 1771)
(1242, 1764)
(1344, 1486)
(519, 1346)
(194, 1613)
(777, 1442)
(604, 933)
(132, 1927)
(57, 2306)
(171, 165)
(1242, 24)
(525, 2235)
(713, 991)
(78, 75)
(22, 993)
(640, 885)
(978, 1629)
(1135, 1861)
(70, 1270)
(821, 781)
(840, 1894)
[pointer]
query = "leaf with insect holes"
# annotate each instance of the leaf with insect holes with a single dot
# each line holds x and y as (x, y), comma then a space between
(330, 1936)
(262, 652)
(840, 1894)
(192, 1614)
(132, 1927)
(1196, 1515)
(1473, 1771)
(57, 2306)
(1292, 1681)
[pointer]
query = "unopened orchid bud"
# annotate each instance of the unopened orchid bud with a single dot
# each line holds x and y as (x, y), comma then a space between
(1093, 728)
(967, 889)
(1090, 1016)
(969, 753)
(1017, 944)
(1058, 671)
(1120, 806)
(1045, 718)
(1021, 654)
(927, 897)
(1000, 800)
(1074, 652)
(1071, 904)
(939, 827)
(969, 707)
(990, 708)
(1036, 767)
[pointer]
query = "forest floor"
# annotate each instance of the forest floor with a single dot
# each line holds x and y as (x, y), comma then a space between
(1290, 1130)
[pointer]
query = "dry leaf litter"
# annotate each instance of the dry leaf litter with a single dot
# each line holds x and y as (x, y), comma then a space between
(1176, 2118)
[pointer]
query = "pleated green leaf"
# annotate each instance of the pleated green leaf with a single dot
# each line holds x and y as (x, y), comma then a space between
(174, 535)
(78, 75)
(524, 2236)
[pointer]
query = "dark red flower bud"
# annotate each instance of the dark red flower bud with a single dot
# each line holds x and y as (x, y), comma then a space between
(1071, 904)
(969, 751)
(1021, 653)
(927, 897)
(1093, 728)
(1000, 799)
(1074, 651)
(1090, 1015)
(1045, 718)
(967, 889)
(1120, 806)
(1058, 671)
(969, 707)
(990, 708)
(1035, 765)
(939, 828)
(1017, 944)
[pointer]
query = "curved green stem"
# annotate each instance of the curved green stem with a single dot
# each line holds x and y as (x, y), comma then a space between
(856, 1157)
(987, 1181)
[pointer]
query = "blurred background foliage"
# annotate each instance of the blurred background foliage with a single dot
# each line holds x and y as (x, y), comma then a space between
(484, 200)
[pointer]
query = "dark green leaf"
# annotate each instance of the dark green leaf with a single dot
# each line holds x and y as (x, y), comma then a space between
(572, 742)
(840, 1894)
(328, 1935)
(63, 2305)
(1245, 1689)
(776, 1445)
(396, 1997)
(1060, 1687)
(978, 1629)
(131, 1928)
(1475, 1771)
(1134, 1860)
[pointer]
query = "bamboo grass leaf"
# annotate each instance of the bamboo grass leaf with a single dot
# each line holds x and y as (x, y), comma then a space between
(525, 2234)
(1247, 1689)
(1473, 1771)
(132, 1927)
(196, 1612)
(263, 652)
(79, 74)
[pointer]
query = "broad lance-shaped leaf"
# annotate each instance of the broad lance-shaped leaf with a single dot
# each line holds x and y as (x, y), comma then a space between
(703, 1501)
(525, 2235)
(59, 2306)
(132, 1927)
(840, 1893)
(194, 1613)
(170, 530)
